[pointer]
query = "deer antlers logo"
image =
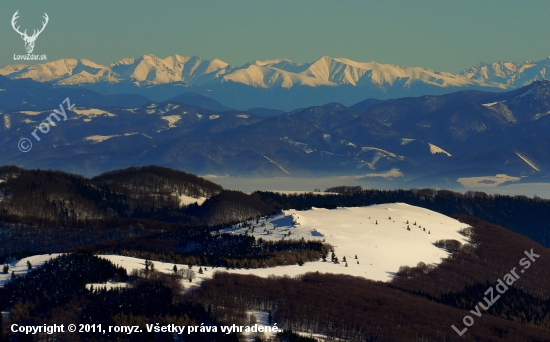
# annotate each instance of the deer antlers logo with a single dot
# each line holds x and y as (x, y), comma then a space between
(29, 40)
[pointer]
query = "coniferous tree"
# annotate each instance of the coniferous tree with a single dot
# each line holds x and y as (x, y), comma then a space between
(6, 269)
(29, 265)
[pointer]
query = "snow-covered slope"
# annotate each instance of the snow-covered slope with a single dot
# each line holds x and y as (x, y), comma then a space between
(20, 267)
(64, 71)
(153, 70)
(435, 149)
(381, 244)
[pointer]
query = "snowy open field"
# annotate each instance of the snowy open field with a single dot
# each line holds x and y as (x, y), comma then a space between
(381, 244)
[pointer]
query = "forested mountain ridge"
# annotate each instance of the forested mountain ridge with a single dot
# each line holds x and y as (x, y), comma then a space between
(447, 141)
(163, 183)
(53, 195)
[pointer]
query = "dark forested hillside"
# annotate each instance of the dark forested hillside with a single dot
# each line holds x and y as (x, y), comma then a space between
(160, 181)
(234, 206)
(134, 192)
(494, 253)
(354, 308)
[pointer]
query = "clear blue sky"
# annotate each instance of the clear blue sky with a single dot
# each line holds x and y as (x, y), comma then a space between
(442, 35)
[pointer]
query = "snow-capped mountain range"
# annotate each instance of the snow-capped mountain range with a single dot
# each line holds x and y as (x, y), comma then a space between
(332, 79)
(151, 70)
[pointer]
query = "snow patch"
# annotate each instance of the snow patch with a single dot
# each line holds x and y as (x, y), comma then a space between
(30, 112)
(186, 200)
(393, 173)
(130, 263)
(171, 119)
(434, 149)
(279, 166)
(366, 149)
(528, 161)
(99, 138)
(486, 181)
(303, 146)
(107, 286)
(405, 141)
(91, 112)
